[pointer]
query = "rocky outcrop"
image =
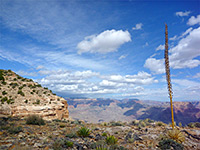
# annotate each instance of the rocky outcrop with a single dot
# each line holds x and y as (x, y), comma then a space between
(22, 97)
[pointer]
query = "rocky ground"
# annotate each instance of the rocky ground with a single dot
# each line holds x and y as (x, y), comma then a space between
(15, 134)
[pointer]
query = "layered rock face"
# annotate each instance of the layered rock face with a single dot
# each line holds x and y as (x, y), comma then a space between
(23, 97)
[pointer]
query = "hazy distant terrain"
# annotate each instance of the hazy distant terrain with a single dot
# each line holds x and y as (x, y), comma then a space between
(100, 110)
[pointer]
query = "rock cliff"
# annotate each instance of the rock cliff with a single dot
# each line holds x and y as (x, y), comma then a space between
(22, 97)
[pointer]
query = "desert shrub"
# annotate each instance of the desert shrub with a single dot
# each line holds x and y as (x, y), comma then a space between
(113, 123)
(62, 125)
(4, 99)
(104, 134)
(77, 122)
(69, 144)
(21, 87)
(4, 93)
(1, 76)
(148, 120)
(18, 77)
(180, 124)
(21, 93)
(176, 135)
(83, 132)
(15, 130)
(71, 135)
(10, 101)
(57, 145)
(194, 124)
(39, 85)
(4, 83)
(13, 85)
(23, 79)
(159, 124)
(102, 147)
(14, 79)
(141, 123)
(35, 120)
(26, 101)
(111, 140)
(37, 102)
(169, 143)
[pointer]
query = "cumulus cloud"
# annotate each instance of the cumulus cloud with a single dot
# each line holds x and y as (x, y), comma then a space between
(194, 20)
(182, 14)
(89, 83)
(105, 42)
(182, 55)
(138, 26)
(155, 65)
(160, 47)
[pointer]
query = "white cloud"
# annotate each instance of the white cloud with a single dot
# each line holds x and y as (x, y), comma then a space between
(197, 75)
(173, 38)
(182, 14)
(122, 57)
(194, 20)
(155, 65)
(91, 83)
(182, 55)
(182, 35)
(138, 26)
(160, 47)
(23, 73)
(40, 67)
(105, 42)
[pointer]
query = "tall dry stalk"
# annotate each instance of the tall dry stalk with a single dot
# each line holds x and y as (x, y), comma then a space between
(168, 73)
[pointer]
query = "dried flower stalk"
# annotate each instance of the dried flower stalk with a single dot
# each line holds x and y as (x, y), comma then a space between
(168, 73)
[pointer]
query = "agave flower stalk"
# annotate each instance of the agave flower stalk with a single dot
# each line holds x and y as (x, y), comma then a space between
(167, 69)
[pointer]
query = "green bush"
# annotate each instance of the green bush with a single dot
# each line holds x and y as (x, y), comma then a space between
(57, 145)
(4, 93)
(104, 134)
(194, 124)
(13, 85)
(21, 93)
(10, 101)
(69, 144)
(4, 99)
(111, 140)
(26, 101)
(37, 102)
(169, 143)
(21, 87)
(1, 76)
(15, 130)
(102, 147)
(71, 135)
(4, 83)
(83, 132)
(159, 124)
(35, 120)
(113, 123)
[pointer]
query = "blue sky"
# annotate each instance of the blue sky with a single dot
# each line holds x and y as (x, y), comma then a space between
(110, 49)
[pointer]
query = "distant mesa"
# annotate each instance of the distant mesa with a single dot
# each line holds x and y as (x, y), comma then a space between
(22, 97)
(105, 110)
